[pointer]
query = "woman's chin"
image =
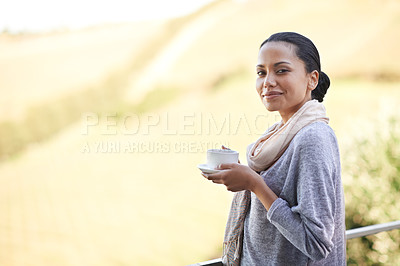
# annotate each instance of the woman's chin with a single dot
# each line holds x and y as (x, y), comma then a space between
(270, 107)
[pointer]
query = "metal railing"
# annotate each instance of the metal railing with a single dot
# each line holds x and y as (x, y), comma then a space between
(350, 234)
(372, 229)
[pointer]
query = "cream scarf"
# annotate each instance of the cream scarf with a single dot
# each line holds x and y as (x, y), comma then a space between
(260, 156)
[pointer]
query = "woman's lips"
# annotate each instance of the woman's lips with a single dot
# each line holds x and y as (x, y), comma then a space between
(272, 94)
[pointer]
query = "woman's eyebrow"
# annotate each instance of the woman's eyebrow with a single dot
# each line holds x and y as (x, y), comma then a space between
(281, 62)
(275, 65)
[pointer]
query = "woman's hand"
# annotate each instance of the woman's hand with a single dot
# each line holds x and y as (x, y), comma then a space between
(235, 177)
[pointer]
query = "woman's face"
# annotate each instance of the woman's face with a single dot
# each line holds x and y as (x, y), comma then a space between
(282, 81)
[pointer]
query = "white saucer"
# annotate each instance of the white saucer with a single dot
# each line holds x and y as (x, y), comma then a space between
(206, 169)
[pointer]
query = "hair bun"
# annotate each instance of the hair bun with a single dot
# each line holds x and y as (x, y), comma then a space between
(323, 84)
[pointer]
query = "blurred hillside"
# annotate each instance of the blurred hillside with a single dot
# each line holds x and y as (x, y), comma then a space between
(355, 39)
(40, 68)
(73, 198)
(349, 34)
(49, 73)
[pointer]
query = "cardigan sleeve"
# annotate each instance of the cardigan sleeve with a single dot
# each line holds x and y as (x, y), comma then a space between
(309, 223)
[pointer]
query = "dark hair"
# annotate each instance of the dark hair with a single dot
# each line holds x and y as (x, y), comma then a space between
(308, 53)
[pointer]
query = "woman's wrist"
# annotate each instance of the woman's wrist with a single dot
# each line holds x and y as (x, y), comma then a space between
(257, 184)
(262, 191)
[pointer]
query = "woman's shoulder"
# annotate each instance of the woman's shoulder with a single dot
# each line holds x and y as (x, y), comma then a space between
(316, 133)
(316, 143)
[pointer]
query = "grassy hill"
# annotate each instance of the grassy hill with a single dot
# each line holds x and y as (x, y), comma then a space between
(39, 68)
(354, 39)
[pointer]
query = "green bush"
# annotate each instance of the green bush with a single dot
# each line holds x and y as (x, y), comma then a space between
(371, 171)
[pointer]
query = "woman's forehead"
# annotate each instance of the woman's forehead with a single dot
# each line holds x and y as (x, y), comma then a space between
(273, 51)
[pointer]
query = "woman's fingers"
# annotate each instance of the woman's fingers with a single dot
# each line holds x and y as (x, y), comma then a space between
(224, 166)
(216, 178)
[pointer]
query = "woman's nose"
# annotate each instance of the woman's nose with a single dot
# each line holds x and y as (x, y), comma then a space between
(269, 81)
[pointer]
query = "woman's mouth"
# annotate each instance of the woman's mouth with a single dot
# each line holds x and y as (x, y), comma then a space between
(272, 94)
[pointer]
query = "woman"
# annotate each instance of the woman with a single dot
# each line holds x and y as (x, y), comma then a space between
(288, 208)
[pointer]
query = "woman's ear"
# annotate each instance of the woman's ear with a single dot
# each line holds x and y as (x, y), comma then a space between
(313, 80)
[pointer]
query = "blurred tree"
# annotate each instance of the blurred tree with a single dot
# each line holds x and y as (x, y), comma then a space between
(372, 189)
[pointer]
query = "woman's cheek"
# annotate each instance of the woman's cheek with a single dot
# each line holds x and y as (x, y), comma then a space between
(259, 88)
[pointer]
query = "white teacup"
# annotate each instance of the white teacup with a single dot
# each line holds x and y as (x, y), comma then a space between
(217, 156)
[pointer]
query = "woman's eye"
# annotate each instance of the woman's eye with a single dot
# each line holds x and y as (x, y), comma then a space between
(260, 73)
(282, 71)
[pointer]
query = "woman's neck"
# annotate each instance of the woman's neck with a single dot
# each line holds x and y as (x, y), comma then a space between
(288, 113)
